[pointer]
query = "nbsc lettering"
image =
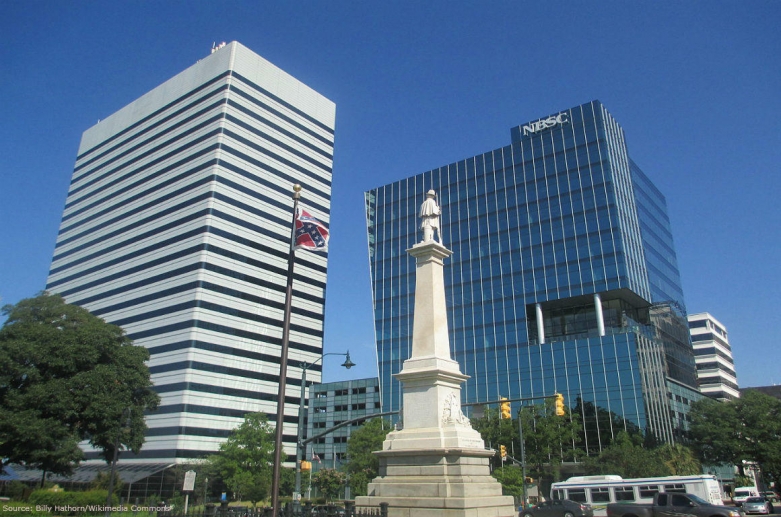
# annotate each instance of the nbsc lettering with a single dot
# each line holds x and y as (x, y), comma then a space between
(545, 123)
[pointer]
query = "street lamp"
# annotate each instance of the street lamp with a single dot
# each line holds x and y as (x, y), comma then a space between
(347, 364)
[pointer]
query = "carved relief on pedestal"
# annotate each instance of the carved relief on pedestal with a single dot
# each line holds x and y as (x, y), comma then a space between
(451, 413)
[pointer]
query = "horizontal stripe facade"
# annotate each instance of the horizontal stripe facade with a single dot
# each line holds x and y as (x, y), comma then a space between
(177, 227)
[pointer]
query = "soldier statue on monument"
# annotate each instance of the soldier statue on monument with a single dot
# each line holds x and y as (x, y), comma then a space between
(429, 212)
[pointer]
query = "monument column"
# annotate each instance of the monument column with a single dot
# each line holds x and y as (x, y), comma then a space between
(436, 465)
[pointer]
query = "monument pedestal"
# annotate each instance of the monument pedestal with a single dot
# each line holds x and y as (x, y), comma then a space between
(439, 466)
(437, 483)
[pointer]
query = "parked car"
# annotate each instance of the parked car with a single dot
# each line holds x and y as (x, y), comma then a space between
(758, 505)
(741, 493)
(557, 508)
(771, 496)
(672, 504)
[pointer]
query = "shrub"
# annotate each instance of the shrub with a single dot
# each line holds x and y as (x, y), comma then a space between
(18, 491)
(89, 498)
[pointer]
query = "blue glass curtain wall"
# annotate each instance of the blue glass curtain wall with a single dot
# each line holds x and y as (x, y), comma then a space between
(551, 217)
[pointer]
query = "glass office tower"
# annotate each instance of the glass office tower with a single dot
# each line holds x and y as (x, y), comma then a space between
(563, 277)
(177, 228)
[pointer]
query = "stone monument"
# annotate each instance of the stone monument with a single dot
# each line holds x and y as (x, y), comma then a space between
(437, 465)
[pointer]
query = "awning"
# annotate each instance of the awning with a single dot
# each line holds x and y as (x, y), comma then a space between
(128, 472)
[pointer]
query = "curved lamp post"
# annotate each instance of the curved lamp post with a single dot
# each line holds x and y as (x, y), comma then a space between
(347, 364)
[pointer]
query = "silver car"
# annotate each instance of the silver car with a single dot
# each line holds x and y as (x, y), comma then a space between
(757, 505)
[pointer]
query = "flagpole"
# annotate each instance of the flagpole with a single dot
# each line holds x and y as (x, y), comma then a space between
(283, 360)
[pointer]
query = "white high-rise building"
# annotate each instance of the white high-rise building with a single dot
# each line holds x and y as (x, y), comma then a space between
(713, 357)
(177, 227)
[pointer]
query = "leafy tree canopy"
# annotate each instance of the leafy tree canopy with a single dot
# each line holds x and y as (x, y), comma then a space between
(548, 439)
(364, 465)
(627, 458)
(207, 479)
(511, 478)
(68, 376)
(329, 482)
(715, 432)
(246, 457)
(679, 459)
(746, 429)
(496, 431)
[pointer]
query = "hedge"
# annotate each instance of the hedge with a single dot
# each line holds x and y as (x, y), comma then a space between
(63, 498)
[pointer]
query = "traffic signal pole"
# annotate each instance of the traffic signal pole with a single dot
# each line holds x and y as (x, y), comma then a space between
(523, 460)
(522, 399)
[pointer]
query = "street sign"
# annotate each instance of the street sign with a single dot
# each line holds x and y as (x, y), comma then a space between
(189, 481)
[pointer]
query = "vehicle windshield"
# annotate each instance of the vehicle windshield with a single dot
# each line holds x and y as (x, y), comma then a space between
(697, 500)
(755, 500)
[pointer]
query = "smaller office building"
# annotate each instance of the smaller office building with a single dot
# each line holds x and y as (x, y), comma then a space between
(713, 357)
(773, 391)
(331, 404)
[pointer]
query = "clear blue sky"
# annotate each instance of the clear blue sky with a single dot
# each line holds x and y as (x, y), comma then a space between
(696, 86)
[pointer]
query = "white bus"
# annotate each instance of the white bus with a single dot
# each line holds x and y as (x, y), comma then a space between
(598, 491)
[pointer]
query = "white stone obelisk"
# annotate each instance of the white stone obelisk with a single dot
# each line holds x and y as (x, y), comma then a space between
(437, 465)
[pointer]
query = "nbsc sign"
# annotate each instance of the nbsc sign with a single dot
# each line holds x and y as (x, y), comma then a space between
(545, 123)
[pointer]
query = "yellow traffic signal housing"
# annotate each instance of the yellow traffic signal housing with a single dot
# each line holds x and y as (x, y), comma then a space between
(503, 451)
(559, 404)
(505, 408)
(306, 465)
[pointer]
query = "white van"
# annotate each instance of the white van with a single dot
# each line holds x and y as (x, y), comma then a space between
(740, 494)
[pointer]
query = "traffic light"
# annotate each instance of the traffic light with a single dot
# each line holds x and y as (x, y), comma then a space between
(529, 481)
(559, 404)
(505, 407)
(306, 465)
(503, 451)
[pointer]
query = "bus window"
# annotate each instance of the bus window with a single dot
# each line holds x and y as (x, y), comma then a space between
(648, 490)
(625, 493)
(679, 488)
(577, 494)
(558, 494)
(600, 495)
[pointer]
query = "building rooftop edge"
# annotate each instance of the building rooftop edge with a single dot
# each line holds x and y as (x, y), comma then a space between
(511, 142)
(235, 57)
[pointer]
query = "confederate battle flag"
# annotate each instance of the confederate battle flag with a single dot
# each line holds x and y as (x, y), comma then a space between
(310, 233)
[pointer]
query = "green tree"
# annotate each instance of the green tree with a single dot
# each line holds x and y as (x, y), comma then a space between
(206, 478)
(496, 431)
(68, 376)
(287, 480)
(715, 432)
(329, 482)
(511, 478)
(258, 491)
(627, 457)
(102, 480)
(548, 439)
(761, 416)
(245, 458)
(679, 459)
(363, 465)
(746, 429)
